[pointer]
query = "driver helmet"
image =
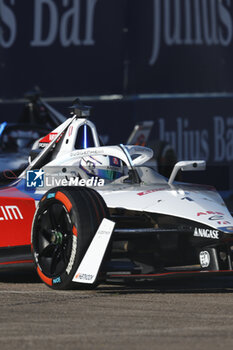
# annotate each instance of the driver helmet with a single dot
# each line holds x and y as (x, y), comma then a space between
(104, 167)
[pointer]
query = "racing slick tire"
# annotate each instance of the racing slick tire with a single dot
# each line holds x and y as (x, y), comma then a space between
(64, 224)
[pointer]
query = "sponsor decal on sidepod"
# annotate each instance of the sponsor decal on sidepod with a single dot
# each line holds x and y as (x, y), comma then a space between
(204, 258)
(209, 213)
(150, 191)
(206, 233)
(10, 212)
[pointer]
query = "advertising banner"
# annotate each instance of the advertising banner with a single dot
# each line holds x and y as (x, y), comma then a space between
(96, 47)
(66, 47)
(197, 128)
(180, 46)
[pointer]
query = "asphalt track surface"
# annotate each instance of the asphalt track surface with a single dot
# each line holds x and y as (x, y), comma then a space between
(174, 314)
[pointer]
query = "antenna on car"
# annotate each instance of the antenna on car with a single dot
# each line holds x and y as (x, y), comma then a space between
(79, 109)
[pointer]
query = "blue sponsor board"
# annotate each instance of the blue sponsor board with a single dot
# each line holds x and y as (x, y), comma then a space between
(122, 46)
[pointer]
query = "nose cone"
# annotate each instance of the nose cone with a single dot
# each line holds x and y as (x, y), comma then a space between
(201, 204)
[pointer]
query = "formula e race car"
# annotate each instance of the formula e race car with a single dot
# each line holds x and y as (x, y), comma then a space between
(17, 139)
(82, 214)
(38, 118)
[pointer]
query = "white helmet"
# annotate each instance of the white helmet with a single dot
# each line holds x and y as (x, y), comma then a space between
(104, 167)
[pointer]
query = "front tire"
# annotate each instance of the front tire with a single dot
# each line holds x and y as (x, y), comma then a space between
(65, 222)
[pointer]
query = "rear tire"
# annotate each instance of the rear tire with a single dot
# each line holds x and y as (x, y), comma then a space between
(65, 222)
